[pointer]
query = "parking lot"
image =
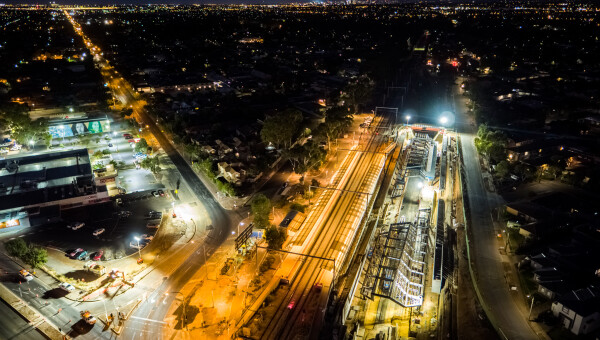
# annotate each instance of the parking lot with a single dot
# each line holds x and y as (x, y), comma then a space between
(119, 229)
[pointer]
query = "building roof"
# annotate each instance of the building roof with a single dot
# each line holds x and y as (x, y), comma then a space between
(583, 301)
(34, 179)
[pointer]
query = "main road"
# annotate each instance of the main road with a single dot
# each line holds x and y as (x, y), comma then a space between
(484, 248)
(48, 302)
(175, 278)
(220, 218)
(13, 326)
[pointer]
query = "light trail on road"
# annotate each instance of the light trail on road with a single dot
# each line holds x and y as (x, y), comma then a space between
(333, 223)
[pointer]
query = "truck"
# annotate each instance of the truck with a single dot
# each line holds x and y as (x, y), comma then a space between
(88, 317)
(25, 275)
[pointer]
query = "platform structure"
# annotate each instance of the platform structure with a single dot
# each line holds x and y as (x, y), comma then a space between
(398, 262)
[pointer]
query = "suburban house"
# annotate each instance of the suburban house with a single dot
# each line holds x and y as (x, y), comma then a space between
(229, 173)
(579, 310)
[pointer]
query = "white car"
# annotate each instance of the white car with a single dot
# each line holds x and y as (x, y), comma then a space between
(98, 231)
(78, 225)
(66, 287)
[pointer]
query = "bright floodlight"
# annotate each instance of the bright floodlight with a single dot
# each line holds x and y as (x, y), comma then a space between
(407, 117)
(420, 184)
(136, 238)
(444, 120)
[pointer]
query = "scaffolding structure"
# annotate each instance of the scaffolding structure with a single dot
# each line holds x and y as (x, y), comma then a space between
(397, 262)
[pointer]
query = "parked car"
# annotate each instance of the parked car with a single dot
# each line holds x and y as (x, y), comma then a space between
(82, 255)
(124, 213)
(98, 231)
(66, 287)
(98, 255)
(161, 193)
(75, 252)
(153, 224)
(154, 214)
(25, 275)
(155, 194)
(78, 225)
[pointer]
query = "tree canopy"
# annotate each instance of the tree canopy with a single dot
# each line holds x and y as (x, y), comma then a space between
(275, 237)
(358, 92)
(16, 247)
(491, 143)
(36, 257)
(280, 129)
(141, 146)
(261, 207)
(337, 120)
(151, 163)
(306, 157)
(15, 118)
(30, 254)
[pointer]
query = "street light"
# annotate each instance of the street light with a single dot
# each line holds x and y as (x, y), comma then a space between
(444, 120)
(407, 119)
(531, 306)
(139, 248)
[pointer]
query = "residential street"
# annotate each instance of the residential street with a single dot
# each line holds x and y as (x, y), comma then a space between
(490, 278)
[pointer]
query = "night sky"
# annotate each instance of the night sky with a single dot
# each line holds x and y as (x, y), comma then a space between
(139, 2)
(183, 2)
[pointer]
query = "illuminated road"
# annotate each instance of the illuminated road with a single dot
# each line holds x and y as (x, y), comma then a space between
(48, 302)
(328, 233)
(147, 318)
(484, 251)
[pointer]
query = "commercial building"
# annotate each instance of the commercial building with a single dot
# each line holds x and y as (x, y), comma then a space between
(35, 188)
(73, 127)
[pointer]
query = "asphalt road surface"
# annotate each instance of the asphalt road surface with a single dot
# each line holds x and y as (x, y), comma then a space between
(147, 318)
(13, 326)
(484, 251)
(50, 302)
